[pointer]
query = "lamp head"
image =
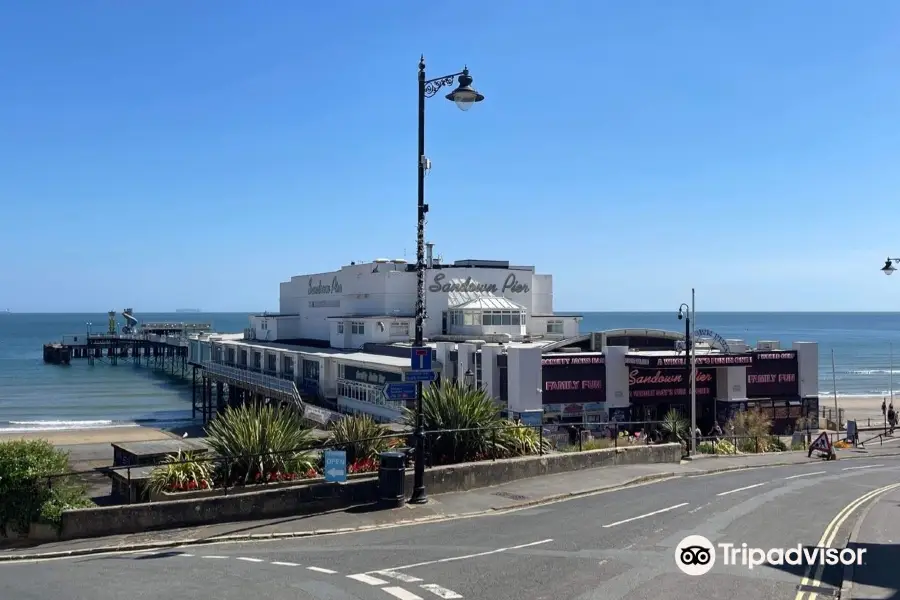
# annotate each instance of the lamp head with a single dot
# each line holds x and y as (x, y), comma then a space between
(680, 314)
(465, 96)
(888, 268)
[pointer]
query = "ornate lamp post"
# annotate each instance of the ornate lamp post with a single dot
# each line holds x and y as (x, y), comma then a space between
(465, 97)
(686, 313)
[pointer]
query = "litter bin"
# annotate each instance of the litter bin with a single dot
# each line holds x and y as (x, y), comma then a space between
(392, 479)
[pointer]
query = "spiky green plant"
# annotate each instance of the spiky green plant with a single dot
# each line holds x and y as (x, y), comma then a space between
(452, 406)
(675, 427)
(182, 471)
(360, 436)
(261, 440)
(517, 440)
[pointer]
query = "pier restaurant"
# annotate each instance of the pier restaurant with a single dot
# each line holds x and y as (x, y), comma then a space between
(341, 336)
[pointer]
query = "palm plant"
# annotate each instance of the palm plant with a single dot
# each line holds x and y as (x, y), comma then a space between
(181, 471)
(360, 437)
(475, 416)
(517, 440)
(675, 427)
(259, 441)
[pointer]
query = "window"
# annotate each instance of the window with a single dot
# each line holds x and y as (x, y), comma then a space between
(400, 328)
(555, 327)
(357, 328)
(243, 358)
(257, 360)
(340, 327)
(273, 362)
(506, 318)
(470, 318)
(516, 318)
(486, 318)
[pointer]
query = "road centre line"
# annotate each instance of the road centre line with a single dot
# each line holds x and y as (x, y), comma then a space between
(321, 570)
(248, 559)
(465, 556)
(862, 467)
(741, 489)
(655, 512)
(284, 564)
(806, 474)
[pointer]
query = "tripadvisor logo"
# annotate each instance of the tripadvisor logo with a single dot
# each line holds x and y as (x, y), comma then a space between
(696, 555)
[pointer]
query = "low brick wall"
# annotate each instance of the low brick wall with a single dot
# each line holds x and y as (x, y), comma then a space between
(319, 497)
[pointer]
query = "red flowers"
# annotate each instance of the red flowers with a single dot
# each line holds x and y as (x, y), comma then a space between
(189, 486)
(365, 465)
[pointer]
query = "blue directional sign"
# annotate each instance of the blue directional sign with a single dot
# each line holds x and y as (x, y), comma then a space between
(400, 391)
(420, 359)
(335, 466)
(420, 376)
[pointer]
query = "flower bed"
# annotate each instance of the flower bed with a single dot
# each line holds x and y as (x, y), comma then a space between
(360, 469)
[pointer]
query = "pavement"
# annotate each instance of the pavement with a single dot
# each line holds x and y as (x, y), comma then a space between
(614, 544)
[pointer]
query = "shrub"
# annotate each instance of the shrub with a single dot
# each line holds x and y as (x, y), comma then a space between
(179, 473)
(360, 437)
(451, 405)
(259, 441)
(25, 496)
(675, 427)
(775, 444)
(752, 430)
(516, 440)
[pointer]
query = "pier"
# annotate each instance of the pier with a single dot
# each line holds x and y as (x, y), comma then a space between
(167, 348)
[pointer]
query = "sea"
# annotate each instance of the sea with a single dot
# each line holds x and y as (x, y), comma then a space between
(39, 397)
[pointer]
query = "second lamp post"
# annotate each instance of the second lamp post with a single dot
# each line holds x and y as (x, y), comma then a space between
(464, 96)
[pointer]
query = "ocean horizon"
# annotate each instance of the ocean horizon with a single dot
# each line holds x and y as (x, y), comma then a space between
(39, 397)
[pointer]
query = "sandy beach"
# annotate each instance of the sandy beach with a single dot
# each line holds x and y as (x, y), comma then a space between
(93, 436)
(866, 410)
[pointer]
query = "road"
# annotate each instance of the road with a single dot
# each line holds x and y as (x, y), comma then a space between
(614, 545)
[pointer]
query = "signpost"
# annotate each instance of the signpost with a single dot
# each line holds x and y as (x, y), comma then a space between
(420, 359)
(822, 445)
(420, 365)
(400, 391)
(335, 466)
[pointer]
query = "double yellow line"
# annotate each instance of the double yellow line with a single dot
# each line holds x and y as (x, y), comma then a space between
(831, 532)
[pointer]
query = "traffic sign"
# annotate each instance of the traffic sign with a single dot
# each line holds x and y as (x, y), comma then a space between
(335, 466)
(420, 359)
(400, 391)
(420, 375)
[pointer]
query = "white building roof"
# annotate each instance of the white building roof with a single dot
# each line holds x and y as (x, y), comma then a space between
(478, 300)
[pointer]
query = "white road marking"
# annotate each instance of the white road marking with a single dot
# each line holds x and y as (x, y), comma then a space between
(284, 564)
(749, 487)
(698, 509)
(186, 554)
(806, 474)
(464, 557)
(399, 576)
(602, 562)
(362, 577)
(253, 560)
(440, 591)
(399, 592)
(213, 556)
(655, 512)
(321, 570)
(864, 467)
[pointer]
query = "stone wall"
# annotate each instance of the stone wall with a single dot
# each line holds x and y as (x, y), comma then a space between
(319, 497)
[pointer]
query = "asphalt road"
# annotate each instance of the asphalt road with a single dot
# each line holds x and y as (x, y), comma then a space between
(615, 545)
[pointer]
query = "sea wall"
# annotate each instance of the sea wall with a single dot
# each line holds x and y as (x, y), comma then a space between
(320, 497)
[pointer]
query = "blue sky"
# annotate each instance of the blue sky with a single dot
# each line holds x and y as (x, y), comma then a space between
(167, 154)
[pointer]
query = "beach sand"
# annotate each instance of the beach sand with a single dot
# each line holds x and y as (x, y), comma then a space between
(92, 436)
(866, 410)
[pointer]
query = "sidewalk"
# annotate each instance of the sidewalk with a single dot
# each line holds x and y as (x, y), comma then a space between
(516, 494)
(878, 532)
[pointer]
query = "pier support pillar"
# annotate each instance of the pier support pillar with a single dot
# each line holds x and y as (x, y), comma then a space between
(220, 397)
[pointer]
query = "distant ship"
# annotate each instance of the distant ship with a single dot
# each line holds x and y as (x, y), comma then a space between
(188, 310)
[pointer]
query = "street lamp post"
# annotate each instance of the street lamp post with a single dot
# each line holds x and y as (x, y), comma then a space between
(464, 96)
(469, 378)
(687, 313)
(888, 268)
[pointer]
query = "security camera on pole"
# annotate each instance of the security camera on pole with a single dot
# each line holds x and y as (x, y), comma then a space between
(688, 314)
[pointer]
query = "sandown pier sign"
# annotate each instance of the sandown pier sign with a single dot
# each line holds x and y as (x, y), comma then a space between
(510, 284)
(316, 287)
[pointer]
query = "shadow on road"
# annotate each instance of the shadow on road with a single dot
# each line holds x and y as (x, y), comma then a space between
(881, 563)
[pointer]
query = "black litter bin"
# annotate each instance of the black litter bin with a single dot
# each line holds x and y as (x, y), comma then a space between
(392, 479)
